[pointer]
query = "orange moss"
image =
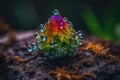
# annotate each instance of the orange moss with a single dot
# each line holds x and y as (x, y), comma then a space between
(18, 59)
(61, 73)
(96, 47)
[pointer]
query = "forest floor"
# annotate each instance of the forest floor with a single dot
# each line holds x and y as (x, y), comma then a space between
(96, 59)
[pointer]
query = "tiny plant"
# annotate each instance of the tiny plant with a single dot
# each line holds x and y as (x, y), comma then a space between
(56, 37)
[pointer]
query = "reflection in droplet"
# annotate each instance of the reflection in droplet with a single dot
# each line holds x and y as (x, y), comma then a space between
(30, 49)
(65, 19)
(41, 28)
(55, 12)
(52, 44)
(70, 23)
(33, 46)
(36, 35)
(43, 38)
(80, 43)
(80, 37)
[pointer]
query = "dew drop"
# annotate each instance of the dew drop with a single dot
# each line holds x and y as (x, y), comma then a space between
(56, 43)
(41, 28)
(30, 49)
(52, 44)
(55, 12)
(80, 43)
(70, 23)
(33, 46)
(79, 33)
(36, 35)
(43, 38)
(80, 37)
(65, 19)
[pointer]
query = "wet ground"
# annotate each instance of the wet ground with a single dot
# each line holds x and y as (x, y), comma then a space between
(96, 59)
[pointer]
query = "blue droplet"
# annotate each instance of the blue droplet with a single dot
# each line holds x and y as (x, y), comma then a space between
(43, 38)
(36, 35)
(41, 28)
(70, 23)
(65, 19)
(80, 43)
(55, 12)
(33, 46)
(56, 43)
(80, 37)
(30, 49)
(79, 33)
(52, 44)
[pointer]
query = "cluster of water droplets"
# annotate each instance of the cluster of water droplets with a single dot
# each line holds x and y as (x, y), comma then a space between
(79, 34)
(32, 47)
(37, 45)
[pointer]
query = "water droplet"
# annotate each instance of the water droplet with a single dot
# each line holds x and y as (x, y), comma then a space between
(36, 35)
(55, 12)
(70, 23)
(56, 43)
(80, 43)
(52, 44)
(43, 38)
(41, 28)
(30, 49)
(80, 37)
(65, 19)
(33, 46)
(79, 33)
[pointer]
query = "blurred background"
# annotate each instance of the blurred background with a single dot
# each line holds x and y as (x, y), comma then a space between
(98, 17)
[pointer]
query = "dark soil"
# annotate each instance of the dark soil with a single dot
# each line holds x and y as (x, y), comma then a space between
(17, 64)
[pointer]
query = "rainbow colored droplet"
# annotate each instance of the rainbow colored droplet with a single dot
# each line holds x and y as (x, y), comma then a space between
(57, 37)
